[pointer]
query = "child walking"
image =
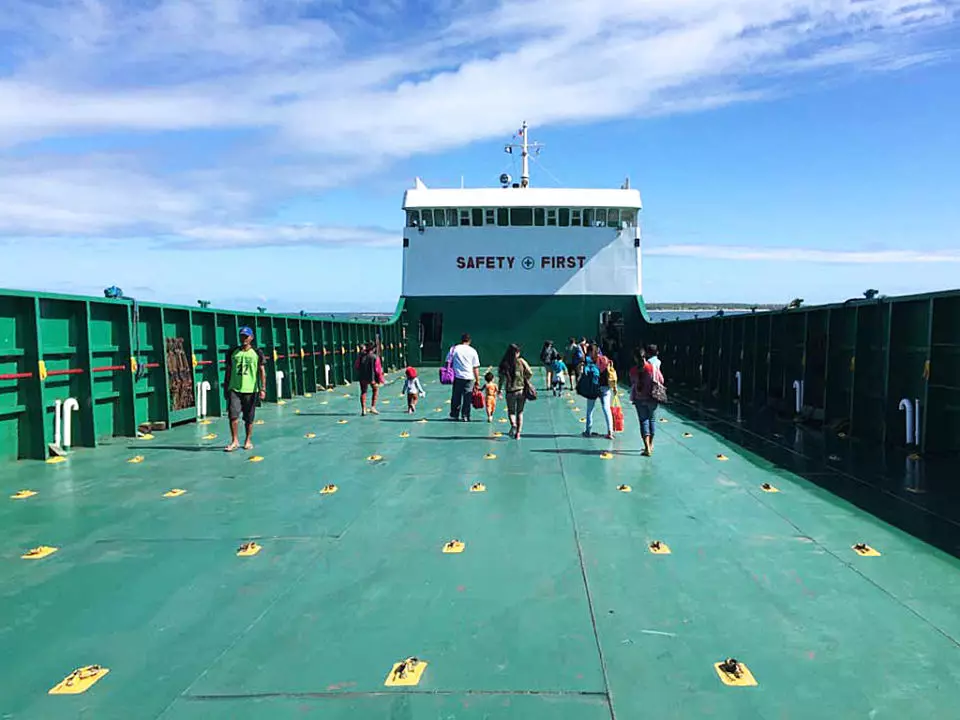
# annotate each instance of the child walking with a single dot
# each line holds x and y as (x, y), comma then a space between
(413, 389)
(559, 376)
(490, 392)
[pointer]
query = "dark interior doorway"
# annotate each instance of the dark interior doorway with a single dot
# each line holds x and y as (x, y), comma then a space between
(431, 333)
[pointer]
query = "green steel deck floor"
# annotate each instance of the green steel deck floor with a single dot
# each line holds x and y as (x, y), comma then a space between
(554, 610)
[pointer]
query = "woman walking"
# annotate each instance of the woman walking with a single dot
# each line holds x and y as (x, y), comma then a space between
(643, 378)
(515, 374)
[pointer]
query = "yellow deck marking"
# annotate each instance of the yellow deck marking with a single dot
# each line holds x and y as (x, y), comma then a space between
(39, 552)
(346, 395)
(489, 456)
(329, 490)
(324, 402)
(658, 548)
(259, 422)
(421, 422)
(767, 487)
(23, 494)
(248, 549)
(404, 434)
(384, 402)
(146, 436)
(453, 547)
(406, 673)
(503, 421)
(204, 422)
(864, 550)
(297, 411)
(440, 409)
(722, 457)
(256, 458)
(375, 458)
(583, 420)
(55, 460)
(498, 434)
(175, 492)
(210, 436)
(342, 422)
(606, 456)
(136, 459)
(478, 487)
(281, 402)
(310, 436)
(308, 395)
(740, 677)
(79, 681)
(624, 488)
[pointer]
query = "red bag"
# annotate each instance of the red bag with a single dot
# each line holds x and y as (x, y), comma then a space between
(477, 398)
(617, 412)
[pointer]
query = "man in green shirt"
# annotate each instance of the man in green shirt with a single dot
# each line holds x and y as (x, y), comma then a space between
(245, 383)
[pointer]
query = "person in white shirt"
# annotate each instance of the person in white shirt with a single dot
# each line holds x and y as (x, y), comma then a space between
(653, 356)
(466, 375)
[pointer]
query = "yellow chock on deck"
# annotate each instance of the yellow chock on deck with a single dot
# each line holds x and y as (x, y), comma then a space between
(346, 395)
(421, 422)
(624, 488)
(446, 402)
(688, 435)
(498, 434)
(662, 420)
(297, 411)
(658, 548)
(145, 436)
(406, 673)
(308, 395)
(404, 434)
(204, 422)
(330, 389)
(281, 402)
(39, 552)
(478, 487)
(310, 436)
(722, 457)
(324, 402)
(583, 420)
(256, 458)
(864, 550)
(210, 436)
(55, 460)
(606, 455)
(503, 421)
(767, 487)
(734, 674)
(384, 402)
(329, 489)
(175, 492)
(341, 422)
(375, 458)
(136, 459)
(453, 547)
(440, 409)
(489, 456)
(259, 422)
(248, 549)
(79, 681)
(23, 494)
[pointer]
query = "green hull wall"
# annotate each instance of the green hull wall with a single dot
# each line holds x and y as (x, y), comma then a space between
(496, 321)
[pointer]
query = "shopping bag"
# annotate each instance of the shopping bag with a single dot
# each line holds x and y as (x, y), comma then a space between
(617, 412)
(477, 399)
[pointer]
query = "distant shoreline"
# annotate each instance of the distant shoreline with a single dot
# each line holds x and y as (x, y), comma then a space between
(709, 307)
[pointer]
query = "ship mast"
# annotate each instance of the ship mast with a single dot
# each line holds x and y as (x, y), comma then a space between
(525, 147)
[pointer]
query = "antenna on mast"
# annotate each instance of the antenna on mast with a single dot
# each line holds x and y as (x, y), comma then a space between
(525, 147)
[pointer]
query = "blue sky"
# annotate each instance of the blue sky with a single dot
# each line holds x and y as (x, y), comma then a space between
(256, 153)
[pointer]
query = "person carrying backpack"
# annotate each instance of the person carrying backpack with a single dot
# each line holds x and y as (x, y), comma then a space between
(573, 357)
(547, 355)
(244, 386)
(594, 385)
(647, 391)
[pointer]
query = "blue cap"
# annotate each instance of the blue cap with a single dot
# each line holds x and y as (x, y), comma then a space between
(246, 331)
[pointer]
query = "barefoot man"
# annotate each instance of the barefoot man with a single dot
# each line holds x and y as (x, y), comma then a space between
(245, 383)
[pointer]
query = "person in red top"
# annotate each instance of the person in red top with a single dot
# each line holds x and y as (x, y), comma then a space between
(641, 388)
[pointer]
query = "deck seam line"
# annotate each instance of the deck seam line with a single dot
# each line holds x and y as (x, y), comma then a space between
(583, 571)
(394, 693)
(801, 532)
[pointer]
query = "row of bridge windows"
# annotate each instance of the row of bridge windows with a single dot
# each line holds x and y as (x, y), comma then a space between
(522, 217)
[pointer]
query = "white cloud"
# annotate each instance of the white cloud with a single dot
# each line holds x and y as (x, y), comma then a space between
(321, 100)
(804, 255)
(238, 236)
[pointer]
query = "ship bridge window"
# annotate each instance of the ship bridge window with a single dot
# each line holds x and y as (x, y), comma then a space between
(613, 217)
(588, 217)
(439, 217)
(477, 217)
(489, 214)
(563, 217)
(575, 217)
(601, 217)
(539, 217)
(465, 218)
(551, 217)
(413, 218)
(503, 217)
(452, 217)
(427, 218)
(521, 217)
(628, 217)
